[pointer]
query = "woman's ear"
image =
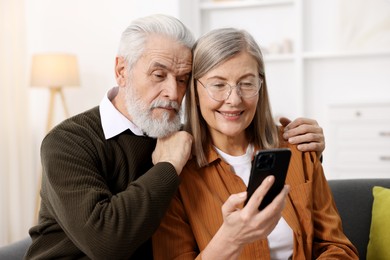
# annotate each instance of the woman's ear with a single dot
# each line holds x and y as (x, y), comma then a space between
(120, 71)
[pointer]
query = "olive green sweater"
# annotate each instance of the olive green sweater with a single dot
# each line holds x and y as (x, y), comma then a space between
(101, 199)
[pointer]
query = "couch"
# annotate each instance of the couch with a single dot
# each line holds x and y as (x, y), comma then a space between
(354, 200)
(16, 250)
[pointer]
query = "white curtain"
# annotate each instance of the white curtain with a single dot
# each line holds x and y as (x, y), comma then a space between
(17, 173)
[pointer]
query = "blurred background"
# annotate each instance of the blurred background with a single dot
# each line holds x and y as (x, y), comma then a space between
(327, 60)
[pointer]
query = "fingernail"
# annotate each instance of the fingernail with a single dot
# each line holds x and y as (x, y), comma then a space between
(241, 194)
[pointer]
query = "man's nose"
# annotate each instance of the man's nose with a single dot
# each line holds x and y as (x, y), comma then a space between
(170, 88)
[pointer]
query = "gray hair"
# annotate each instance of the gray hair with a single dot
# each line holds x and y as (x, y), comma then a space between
(211, 50)
(219, 45)
(133, 39)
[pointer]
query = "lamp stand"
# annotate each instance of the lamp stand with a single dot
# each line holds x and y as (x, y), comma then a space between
(53, 93)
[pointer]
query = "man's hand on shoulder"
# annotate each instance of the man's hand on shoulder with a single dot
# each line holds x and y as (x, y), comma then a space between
(305, 133)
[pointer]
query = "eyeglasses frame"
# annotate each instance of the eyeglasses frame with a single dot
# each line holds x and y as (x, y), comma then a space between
(231, 89)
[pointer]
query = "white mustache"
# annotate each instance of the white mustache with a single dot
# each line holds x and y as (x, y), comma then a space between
(165, 104)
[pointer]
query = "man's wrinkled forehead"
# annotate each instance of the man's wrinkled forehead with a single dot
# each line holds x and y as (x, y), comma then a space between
(167, 54)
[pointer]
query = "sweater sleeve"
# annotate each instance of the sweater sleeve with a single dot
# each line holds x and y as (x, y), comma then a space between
(76, 194)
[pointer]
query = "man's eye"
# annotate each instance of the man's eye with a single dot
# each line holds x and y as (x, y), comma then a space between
(158, 75)
(183, 80)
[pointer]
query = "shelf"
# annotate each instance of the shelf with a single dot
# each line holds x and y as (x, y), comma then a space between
(278, 57)
(228, 4)
(327, 55)
(345, 54)
(300, 75)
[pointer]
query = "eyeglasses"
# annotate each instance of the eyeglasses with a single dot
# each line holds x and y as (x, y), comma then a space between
(220, 91)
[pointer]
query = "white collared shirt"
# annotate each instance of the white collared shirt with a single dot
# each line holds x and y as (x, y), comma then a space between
(113, 121)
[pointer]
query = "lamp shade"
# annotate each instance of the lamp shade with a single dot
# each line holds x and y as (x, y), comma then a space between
(54, 70)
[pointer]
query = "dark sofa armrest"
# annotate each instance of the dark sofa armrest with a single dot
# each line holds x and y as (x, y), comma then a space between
(354, 200)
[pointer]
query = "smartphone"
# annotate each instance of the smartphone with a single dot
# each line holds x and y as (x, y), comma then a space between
(269, 162)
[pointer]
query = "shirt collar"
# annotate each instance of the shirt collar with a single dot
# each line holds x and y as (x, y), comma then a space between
(113, 121)
(212, 155)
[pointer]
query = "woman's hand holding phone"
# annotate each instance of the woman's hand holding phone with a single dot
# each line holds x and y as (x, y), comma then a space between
(242, 226)
(247, 224)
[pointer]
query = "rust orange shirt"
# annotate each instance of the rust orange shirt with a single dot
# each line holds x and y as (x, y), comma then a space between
(195, 212)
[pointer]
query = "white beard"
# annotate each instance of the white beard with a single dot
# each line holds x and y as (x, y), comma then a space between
(142, 116)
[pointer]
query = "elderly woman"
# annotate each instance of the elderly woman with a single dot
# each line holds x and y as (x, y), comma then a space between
(229, 114)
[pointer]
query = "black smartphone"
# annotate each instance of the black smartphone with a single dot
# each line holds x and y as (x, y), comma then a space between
(269, 162)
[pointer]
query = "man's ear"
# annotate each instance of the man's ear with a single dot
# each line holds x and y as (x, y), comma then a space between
(120, 71)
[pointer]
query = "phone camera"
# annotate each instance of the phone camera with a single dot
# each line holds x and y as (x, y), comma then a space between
(265, 161)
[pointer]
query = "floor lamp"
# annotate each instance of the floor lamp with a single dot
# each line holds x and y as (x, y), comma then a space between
(54, 71)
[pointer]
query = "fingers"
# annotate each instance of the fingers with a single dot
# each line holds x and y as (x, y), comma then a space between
(233, 202)
(306, 138)
(253, 204)
(276, 205)
(284, 121)
(301, 126)
(279, 201)
(266, 219)
(273, 212)
(309, 142)
(306, 134)
(249, 224)
(175, 149)
(300, 121)
(317, 146)
(292, 130)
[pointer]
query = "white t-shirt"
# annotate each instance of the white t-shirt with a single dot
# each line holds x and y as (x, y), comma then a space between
(281, 239)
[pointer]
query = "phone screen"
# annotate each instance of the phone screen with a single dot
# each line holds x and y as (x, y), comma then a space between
(269, 162)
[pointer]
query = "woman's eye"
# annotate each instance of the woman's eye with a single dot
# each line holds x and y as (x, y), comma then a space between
(218, 85)
(247, 84)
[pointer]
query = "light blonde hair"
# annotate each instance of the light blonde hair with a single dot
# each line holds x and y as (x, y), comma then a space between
(209, 51)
